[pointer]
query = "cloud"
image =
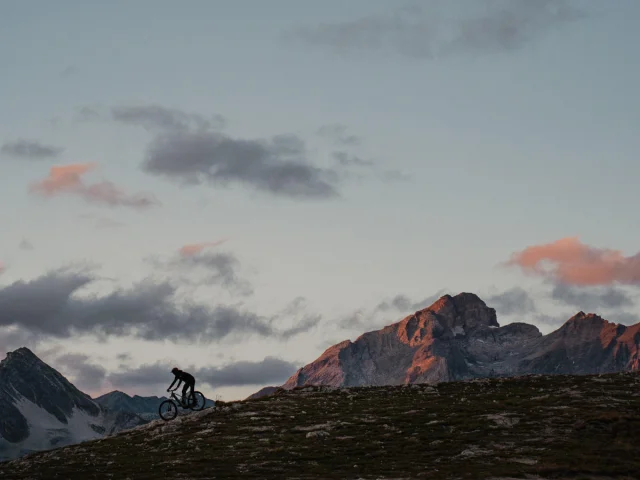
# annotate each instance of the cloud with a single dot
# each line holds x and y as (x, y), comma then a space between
(2, 267)
(417, 33)
(12, 338)
(25, 245)
(625, 318)
(276, 166)
(86, 375)
(155, 117)
(87, 114)
(346, 160)
(591, 299)
(124, 357)
(30, 149)
(552, 321)
(338, 135)
(400, 305)
(271, 370)
(515, 301)
(220, 268)
(67, 179)
(53, 305)
(145, 375)
(571, 262)
(303, 322)
(195, 248)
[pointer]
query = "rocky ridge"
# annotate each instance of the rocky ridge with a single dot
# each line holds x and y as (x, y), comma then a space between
(459, 338)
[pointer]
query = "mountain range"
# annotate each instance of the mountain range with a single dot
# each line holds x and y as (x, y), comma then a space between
(458, 338)
(40, 409)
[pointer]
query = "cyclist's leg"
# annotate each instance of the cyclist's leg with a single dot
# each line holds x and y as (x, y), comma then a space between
(185, 400)
(192, 394)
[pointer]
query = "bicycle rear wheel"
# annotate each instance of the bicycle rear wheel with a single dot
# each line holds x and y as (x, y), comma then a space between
(168, 410)
(197, 401)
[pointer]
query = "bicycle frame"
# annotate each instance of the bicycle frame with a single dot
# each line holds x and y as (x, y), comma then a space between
(178, 399)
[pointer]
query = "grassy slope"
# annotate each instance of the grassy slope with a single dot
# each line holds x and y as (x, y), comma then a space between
(542, 426)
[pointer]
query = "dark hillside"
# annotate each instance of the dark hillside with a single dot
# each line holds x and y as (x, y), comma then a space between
(523, 427)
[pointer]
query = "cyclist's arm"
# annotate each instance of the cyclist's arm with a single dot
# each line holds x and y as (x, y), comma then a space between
(174, 381)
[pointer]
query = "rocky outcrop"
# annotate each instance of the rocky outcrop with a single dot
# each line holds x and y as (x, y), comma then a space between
(459, 338)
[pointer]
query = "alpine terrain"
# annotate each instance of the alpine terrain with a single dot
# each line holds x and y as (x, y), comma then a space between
(459, 338)
(146, 407)
(534, 427)
(40, 409)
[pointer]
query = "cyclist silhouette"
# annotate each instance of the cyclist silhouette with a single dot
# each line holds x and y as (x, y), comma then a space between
(188, 380)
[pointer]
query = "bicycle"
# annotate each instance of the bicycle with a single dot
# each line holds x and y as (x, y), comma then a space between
(168, 409)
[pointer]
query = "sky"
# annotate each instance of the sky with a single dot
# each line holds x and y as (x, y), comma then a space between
(232, 187)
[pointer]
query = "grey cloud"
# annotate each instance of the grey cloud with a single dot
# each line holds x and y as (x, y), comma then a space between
(302, 320)
(417, 33)
(25, 245)
(356, 320)
(515, 301)
(86, 375)
(276, 166)
(30, 149)
(155, 117)
(591, 298)
(552, 321)
(145, 375)
(338, 135)
(87, 114)
(12, 338)
(347, 160)
(402, 303)
(124, 357)
(53, 305)
(398, 305)
(625, 318)
(270, 370)
(221, 268)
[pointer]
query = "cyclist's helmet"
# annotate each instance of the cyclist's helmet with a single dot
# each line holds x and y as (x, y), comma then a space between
(175, 370)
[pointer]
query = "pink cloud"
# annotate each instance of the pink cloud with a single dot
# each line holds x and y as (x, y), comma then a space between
(570, 261)
(195, 248)
(68, 179)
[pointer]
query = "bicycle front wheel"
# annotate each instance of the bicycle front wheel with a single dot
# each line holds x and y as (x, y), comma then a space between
(168, 410)
(197, 401)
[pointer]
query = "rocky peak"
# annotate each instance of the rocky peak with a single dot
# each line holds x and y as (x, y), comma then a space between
(582, 320)
(22, 356)
(465, 310)
(22, 373)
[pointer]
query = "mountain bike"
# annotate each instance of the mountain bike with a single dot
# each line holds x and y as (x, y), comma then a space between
(168, 409)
